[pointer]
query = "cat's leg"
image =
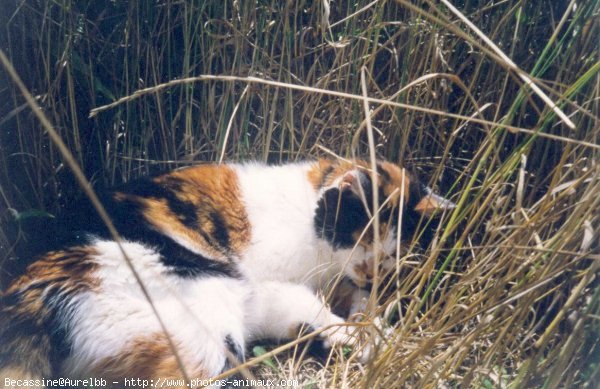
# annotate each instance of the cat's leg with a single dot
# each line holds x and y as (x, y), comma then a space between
(206, 318)
(278, 310)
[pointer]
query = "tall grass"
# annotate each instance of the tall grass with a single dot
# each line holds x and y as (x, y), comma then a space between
(506, 294)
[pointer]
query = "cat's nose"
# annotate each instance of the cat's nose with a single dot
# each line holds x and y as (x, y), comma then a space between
(364, 271)
(388, 262)
(361, 283)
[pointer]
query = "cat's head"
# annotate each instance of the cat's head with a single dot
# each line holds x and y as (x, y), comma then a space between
(344, 215)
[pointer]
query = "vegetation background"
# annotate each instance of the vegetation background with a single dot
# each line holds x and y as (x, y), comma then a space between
(505, 296)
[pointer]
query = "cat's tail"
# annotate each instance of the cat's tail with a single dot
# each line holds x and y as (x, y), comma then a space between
(33, 336)
(25, 346)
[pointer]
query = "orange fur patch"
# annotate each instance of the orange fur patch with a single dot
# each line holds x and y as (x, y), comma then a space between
(213, 193)
(150, 358)
(14, 373)
(365, 270)
(396, 175)
(70, 270)
(58, 275)
(317, 173)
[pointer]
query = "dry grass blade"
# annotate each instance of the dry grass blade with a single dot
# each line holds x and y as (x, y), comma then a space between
(374, 180)
(139, 93)
(501, 292)
(511, 64)
(86, 186)
(228, 131)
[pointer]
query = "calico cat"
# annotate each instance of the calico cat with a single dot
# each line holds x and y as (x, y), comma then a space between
(228, 254)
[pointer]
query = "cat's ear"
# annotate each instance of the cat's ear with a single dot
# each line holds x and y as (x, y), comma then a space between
(431, 203)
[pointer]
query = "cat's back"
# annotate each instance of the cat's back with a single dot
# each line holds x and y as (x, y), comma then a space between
(275, 189)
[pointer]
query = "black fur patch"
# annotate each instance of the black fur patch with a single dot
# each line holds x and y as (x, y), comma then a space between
(221, 231)
(326, 172)
(338, 216)
(185, 211)
(383, 173)
(315, 346)
(82, 222)
(237, 351)
(186, 263)
(25, 342)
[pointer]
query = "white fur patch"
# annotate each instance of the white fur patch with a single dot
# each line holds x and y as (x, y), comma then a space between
(281, 203)
(198, 313)
(279, 308)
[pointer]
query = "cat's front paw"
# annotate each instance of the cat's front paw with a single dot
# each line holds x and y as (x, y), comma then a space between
(372, 339)
(365, 341)
(339, 335)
